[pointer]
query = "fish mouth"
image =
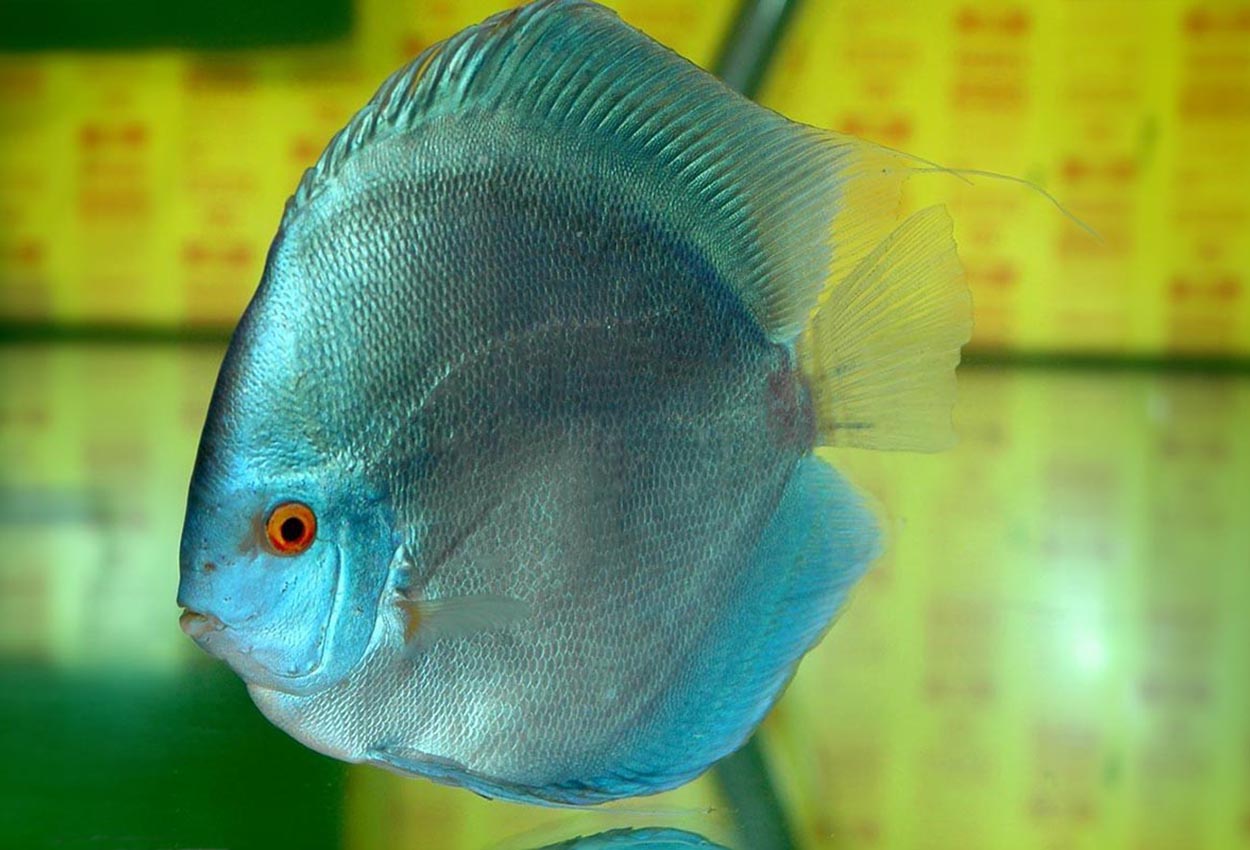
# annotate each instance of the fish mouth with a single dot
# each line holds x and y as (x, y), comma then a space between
(197, 626)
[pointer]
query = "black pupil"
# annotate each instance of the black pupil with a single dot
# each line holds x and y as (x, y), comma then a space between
(292, 529)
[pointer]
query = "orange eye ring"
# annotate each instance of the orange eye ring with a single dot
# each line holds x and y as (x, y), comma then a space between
(291, 528)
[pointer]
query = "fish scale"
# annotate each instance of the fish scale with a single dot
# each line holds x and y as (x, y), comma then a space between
(595, 522)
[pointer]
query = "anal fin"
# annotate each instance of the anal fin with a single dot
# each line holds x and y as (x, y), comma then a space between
(818, 543)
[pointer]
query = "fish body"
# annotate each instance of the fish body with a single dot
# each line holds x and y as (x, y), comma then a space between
(508, 478)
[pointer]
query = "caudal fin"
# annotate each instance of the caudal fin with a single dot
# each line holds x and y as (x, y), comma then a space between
(881, 351)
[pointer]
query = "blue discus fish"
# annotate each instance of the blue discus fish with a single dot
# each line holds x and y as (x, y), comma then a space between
(508, 477)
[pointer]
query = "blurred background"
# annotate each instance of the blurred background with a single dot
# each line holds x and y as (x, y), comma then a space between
(1055, 651)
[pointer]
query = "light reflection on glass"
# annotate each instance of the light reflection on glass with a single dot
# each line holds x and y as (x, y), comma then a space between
(1053, 652)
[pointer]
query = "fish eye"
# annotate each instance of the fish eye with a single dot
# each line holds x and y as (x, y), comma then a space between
(291, 528)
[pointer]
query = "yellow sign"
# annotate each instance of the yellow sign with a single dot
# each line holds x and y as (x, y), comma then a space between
(1135, 114)
(144, 188)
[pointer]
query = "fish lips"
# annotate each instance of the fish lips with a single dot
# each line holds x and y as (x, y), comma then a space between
(198, 626)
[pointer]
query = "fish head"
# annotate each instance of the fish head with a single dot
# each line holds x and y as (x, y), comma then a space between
(269, 584)
(286, 544)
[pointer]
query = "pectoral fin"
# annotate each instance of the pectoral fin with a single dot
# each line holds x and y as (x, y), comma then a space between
(429, 620)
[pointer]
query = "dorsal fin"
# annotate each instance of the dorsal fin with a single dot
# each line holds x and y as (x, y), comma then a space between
(780, 208)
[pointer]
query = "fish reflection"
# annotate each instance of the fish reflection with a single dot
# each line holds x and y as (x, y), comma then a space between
(637, 839)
